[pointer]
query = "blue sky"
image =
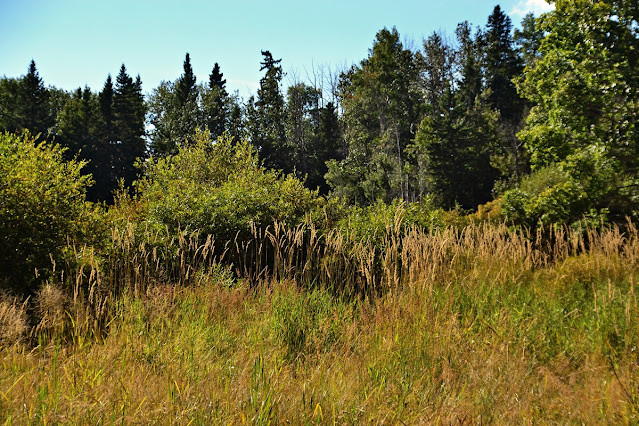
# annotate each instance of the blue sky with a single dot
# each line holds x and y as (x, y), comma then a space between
(78, 42)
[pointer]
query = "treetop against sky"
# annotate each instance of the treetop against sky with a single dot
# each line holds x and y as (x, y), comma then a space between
(75, 42)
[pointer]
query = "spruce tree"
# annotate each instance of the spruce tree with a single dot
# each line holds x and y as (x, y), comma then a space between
(128, 111)
(468, 58)
(215, 102)
(185, 88)
(328, 146)
(216, 79)
(436, 65)
(175, 112)
(236, 126)
(34, 109)
(106, 109)
(456, 143)
(502, 66)
(105, 148)
(458, 137)
(269, 136)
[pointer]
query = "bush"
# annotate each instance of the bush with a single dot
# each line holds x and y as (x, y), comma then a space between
(582, 187)
(220, 189)
(42, 205)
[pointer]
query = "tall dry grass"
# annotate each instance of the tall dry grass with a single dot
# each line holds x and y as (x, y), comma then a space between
(474, 325)
(138, 260)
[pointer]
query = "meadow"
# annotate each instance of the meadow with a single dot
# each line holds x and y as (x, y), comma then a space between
(473, 325)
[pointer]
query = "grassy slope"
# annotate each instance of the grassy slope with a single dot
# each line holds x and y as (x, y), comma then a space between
(481, 329)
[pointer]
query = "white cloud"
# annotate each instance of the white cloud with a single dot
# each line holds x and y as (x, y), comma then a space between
(535, 6)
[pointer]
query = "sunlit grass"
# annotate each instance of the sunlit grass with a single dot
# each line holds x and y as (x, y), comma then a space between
(484, 325)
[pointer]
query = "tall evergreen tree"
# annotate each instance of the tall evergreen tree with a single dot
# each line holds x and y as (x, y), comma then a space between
(104, 151)
(216, 78)
(129, 113)
(269, 135)
(185, 87)
(436, 67)
(34, 109)
(503, 64)
(187, 114)
(81, 128)
(106, 109)
(236, 123)
(328, 146)
(175, 112)
(458, 137)
(437, 64)
(215, 103)
(456, 144)
(468, 58)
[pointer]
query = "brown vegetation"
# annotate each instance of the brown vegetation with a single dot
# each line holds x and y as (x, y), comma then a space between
(483, 324)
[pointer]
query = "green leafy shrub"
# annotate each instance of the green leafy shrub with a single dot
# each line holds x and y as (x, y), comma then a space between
(42, 206)
(219, 188)
(567, 192)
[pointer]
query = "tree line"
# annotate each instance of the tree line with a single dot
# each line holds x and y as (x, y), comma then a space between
(541, 118)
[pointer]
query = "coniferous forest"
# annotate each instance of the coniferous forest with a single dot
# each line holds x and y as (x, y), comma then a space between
(439, 234)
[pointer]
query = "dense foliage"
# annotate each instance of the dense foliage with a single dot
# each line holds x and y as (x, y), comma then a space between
(42, 206)
(583, 123)
(219, 187)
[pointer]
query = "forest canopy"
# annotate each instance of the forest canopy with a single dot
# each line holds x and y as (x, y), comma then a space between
(539, 121)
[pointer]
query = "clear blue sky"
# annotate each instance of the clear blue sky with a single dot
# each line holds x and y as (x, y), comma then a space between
(78, 42)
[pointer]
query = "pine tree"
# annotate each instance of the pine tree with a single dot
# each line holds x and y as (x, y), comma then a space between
(34, 109)
(129, 111)
(185, 87)
(215, 102)
(268, 133)
(502, 66)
